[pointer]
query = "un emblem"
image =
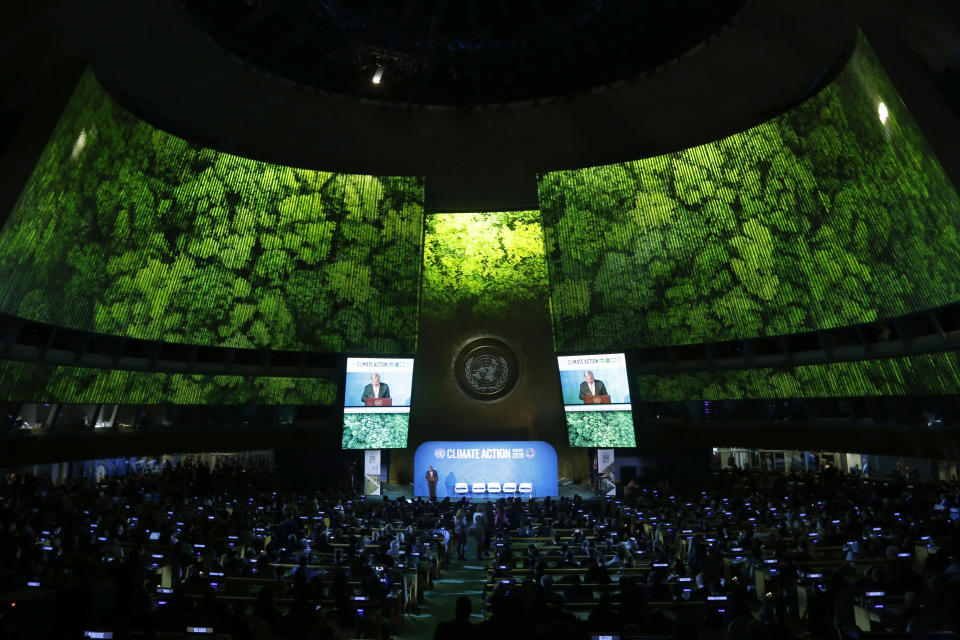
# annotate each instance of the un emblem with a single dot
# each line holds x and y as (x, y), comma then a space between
(486, 372)
(486, 369)
(439, 453)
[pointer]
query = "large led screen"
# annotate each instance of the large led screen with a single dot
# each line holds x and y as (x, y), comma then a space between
(834, 213)
(34, 382)
(923, 374)
(483, 264)
(376, 403)
(596, 400)
(127, 230)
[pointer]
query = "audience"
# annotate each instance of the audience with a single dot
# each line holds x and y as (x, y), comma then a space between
(753, 554)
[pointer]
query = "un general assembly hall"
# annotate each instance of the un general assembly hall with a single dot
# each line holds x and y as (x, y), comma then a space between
(432, 320)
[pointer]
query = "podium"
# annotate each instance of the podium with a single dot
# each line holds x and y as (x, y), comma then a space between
(387, 402)
(596, 399)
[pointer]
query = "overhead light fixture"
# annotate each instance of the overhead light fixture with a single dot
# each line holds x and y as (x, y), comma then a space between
(883, 113)
(79, 145)
(377, 74)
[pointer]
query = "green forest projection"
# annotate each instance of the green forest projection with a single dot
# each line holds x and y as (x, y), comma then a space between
(375, 430)
(127, 230)
(32, 382)
(833, 213)
(479, 269)
(482, 263)
(928, 374)
(601, 429)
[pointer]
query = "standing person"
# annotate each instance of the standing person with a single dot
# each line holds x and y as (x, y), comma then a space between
(595, 475)
(432, 479)
(460, 526)
(353, 475)
(478, 530)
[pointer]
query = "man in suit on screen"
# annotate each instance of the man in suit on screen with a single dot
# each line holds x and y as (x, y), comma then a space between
(591, 387)
(375, 389)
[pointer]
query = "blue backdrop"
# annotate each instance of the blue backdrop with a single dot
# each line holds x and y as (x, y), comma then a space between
(486, 461)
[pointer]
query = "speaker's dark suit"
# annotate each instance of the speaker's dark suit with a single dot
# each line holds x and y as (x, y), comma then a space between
(601, 390)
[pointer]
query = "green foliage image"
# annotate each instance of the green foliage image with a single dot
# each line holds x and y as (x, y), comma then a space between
(834, 213)
(482, 263)
(601, 429)
(34, 382)
(127, 230)
(927, 374)
(375, 430)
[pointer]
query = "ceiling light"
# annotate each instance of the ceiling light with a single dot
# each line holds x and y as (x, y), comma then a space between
(883, 113)
(377, 74)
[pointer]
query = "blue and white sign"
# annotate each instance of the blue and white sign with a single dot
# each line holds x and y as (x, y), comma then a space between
(485, 469)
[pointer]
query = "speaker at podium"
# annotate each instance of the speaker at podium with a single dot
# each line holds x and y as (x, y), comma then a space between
(388, 402)
(596, 399)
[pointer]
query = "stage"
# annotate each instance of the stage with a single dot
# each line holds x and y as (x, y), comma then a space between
(566, 490)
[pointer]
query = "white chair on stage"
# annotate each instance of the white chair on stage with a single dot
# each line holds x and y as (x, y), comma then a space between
(493, 487)
(525, 488)
(461, 488)
(479, 487)
(509, 487)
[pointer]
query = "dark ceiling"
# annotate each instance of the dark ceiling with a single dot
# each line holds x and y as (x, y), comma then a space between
(151, 56)
(463, 52)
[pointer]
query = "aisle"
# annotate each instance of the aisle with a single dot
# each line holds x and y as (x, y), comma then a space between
(459, 578)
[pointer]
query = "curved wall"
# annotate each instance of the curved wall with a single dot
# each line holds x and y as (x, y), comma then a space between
(833, 213)
(474, 159)
(34, 382)
(124, 229)
(927, 374)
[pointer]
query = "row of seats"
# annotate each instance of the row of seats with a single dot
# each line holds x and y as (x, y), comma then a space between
(512, 488)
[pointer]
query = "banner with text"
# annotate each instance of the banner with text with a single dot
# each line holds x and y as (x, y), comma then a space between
(371, 472)
(608, 475)
(511, 468)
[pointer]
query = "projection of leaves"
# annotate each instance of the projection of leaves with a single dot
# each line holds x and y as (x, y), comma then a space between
(32, 382)
(375, 430)
(928, 374)
(482, 263)
(601, 429)
(822, 217)
(125, 229)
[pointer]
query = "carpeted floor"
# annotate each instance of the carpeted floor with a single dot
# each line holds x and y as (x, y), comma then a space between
(459, 578)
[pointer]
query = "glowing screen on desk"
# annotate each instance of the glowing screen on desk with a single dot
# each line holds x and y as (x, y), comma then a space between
(376, 402)
(596, 399)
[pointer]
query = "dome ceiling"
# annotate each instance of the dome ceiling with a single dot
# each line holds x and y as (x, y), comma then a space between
(163, 62)
(463, 52)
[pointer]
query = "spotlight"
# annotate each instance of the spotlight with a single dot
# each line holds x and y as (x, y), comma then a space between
(377, 74)
(883, 113)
